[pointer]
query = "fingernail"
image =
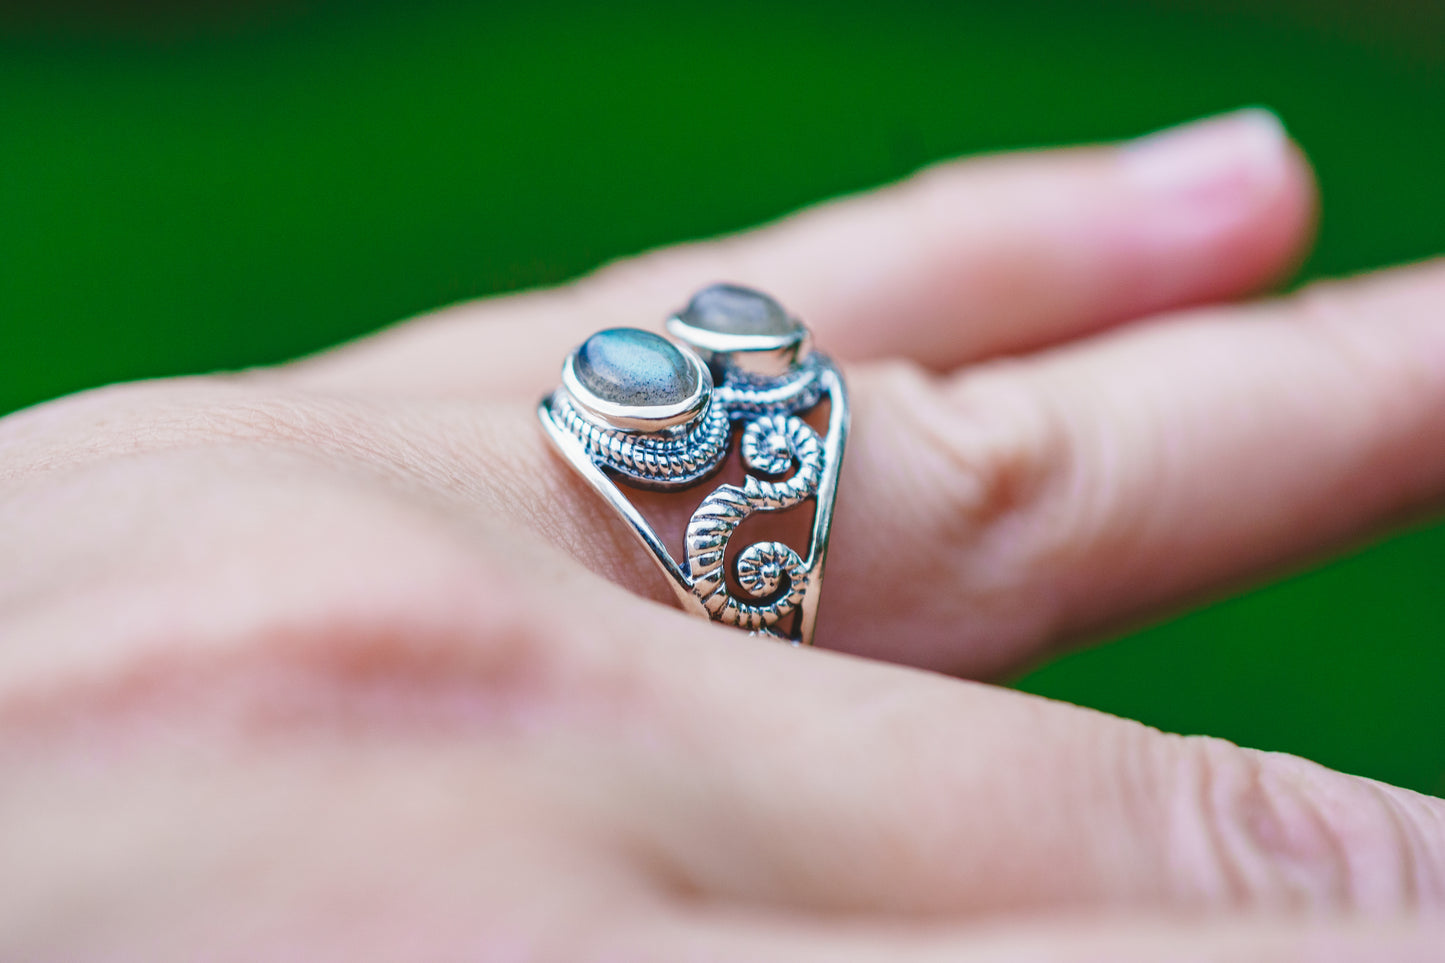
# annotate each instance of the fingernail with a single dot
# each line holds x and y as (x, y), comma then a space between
(1229, 160)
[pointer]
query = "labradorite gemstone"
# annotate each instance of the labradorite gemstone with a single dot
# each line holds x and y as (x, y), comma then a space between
(733, 309)
(630, 367)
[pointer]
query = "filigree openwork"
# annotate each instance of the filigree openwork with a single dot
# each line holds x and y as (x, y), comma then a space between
(744, 394)
(774, 574)
(761, 389)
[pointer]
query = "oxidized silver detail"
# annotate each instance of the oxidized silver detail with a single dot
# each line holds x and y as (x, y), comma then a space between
(664, 459)
(720, 514)
(762, 390)
(761, 567)
(746, 395)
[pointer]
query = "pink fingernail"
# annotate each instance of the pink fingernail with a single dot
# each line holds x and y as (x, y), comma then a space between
(1222, 163)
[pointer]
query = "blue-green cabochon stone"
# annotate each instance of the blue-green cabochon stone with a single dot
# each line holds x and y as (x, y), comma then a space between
(733, 309)
(627, 366)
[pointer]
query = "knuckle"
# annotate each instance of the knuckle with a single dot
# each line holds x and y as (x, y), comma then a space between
(978, 457)
(1272, 830)
(955, 472)
(985, 455)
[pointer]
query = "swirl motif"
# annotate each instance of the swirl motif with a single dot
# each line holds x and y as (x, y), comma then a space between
(771, 445)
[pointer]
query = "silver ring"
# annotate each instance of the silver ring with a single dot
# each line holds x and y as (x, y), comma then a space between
(636, 410)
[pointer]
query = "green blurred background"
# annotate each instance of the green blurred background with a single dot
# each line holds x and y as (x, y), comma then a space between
(192, 186)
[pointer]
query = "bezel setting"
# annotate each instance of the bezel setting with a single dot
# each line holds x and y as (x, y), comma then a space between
(764, 355)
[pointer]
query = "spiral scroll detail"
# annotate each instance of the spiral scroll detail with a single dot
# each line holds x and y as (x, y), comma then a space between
(771, 445)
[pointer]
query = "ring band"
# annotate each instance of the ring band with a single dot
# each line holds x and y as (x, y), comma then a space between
(638, 410)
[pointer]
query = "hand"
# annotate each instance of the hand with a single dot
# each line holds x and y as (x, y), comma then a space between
(337, 660)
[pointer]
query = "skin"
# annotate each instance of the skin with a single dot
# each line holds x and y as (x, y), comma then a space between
(337, 660)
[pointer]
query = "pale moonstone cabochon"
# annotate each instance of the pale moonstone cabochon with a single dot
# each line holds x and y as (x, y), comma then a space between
(733, 309)
(627, 366)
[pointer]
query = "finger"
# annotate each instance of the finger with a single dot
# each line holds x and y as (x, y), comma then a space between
(358, 604)
(433, 803)
(738, 936)
(788, 779)
(964, 261)
(984, 516)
